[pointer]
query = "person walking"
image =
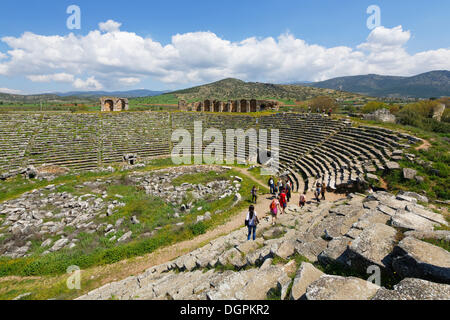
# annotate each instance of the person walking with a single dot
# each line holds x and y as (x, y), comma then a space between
(283, 201)
(271, 184)
(254, 194)
(288, 190)
(280, 185)
(324, 188)
(251, 222)
(302, 200)
(274, 207)
(318, 192)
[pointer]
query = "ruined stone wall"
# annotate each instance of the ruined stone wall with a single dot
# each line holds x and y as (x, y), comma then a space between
(241, 106)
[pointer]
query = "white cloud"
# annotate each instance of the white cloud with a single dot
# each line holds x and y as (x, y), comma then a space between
(57, 77)
(89, 84)
(129, 81)
(110, 26)
(10, 91)
(110, 57)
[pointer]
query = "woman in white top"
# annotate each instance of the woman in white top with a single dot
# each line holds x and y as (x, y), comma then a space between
(251, 221)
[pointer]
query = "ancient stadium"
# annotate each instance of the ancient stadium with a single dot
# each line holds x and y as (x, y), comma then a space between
(99, 192)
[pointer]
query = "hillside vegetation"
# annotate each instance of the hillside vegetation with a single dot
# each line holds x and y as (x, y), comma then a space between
(426, 85)
(234, 89)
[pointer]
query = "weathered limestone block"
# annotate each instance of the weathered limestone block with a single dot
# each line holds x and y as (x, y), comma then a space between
(409, 174)
(339, 288)
(415, 289)
(306, 275)
(418, 259)
(373, 246)
(430, 215)
(410, 221)
(336, 251)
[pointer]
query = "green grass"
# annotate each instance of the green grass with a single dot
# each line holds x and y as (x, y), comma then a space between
(94, 249)
(199, 178)
(440, 243)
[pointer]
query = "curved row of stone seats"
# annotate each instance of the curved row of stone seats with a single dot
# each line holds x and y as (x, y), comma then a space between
(69, 140)
(144, 134)
(186, 121)
(16, 131)
(347, 155)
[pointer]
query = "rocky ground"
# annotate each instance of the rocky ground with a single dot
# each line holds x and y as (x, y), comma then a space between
(49, 219)
(291, 260)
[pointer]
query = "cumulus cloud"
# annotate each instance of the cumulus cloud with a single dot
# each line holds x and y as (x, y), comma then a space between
(109, 26)
(89, 84)
(129, 81)
(110, 57)
(10, 91)
(57, 77)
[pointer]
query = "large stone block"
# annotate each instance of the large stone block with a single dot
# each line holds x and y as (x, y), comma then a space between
(418, 259)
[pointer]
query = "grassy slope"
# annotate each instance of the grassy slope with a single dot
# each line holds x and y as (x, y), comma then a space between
(45, 276)
(233, 89)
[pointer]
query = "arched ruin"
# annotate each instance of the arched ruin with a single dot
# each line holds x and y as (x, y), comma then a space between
(241, 106)
(110, 104)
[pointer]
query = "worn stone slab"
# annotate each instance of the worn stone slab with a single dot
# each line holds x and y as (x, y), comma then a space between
(418, 259)
(415, 289)
(335, 251)
(339, 288)
(306, 275)
(410, 221)
(373, 247)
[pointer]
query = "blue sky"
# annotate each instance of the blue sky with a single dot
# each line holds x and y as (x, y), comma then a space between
(321, 23)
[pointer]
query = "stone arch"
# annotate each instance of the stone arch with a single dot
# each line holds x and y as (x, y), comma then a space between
(235, 106)
(198, 107)
(123, 104)
(218, 106)
(227, 107)
(244, 106)
(207, 106)
(109, 105)
(253, 107)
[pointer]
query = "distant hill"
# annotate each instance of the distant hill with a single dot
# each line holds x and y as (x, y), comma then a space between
(6, 98)
(426, 85)
(233, 89)
(75, 96)
(123, 94)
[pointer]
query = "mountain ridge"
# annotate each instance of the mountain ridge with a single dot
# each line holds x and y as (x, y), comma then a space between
(425, 85)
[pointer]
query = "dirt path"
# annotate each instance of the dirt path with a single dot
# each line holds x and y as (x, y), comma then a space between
(101, 275)
(424, 146)
(137, 265)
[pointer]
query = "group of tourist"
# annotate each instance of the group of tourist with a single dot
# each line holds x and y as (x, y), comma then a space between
(281, 191)
(323, 111)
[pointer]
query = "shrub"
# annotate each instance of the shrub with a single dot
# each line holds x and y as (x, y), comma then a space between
(374, 106)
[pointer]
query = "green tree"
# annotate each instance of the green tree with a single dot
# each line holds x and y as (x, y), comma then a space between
(372, 106)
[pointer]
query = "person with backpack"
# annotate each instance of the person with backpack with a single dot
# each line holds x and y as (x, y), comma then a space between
(274, 206)
(318, 192)
(283, 201)
(302, 201)
(280, 185)
(324, 188)
(271, 184)
(251, 222)
(288, 190)
(254, 194)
